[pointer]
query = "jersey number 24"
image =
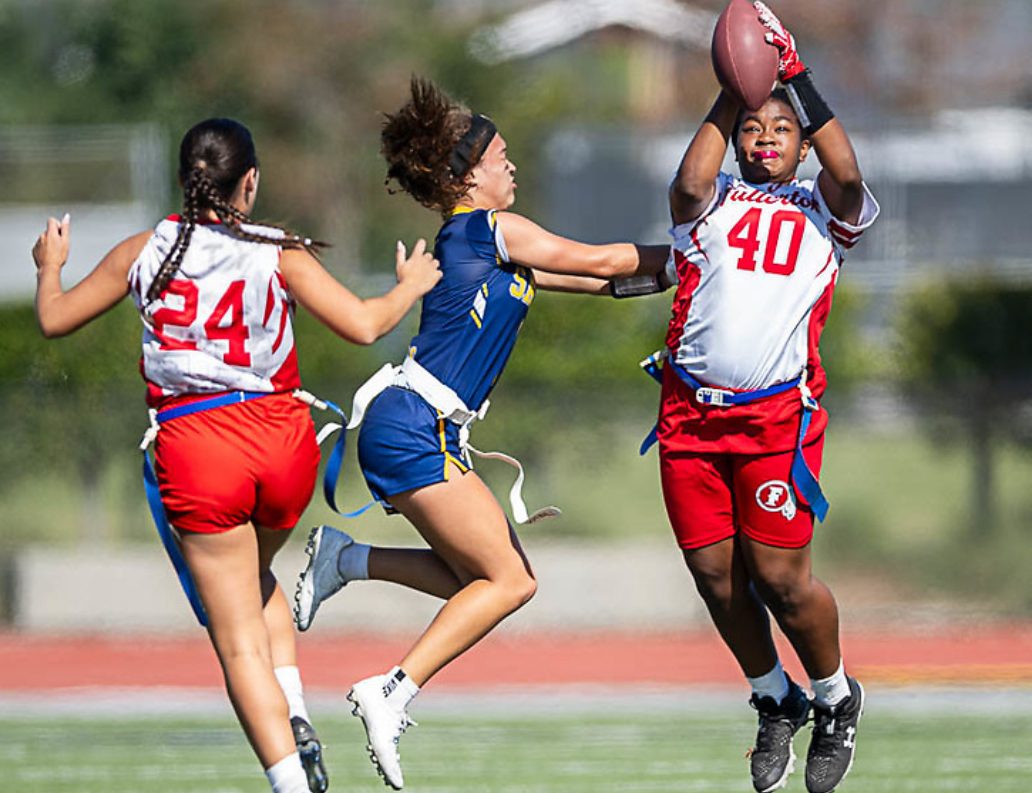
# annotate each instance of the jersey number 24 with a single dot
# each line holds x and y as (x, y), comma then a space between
(231, 304)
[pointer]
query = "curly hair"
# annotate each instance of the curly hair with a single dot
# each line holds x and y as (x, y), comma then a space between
(213, 156)
(418, 142)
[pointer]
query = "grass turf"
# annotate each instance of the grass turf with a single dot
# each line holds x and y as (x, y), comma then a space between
(595, 750)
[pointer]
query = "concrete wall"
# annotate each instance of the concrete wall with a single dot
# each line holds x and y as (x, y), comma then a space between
(581, 587)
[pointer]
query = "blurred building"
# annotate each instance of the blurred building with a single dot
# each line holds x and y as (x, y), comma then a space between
(954, 194)
(655, 39)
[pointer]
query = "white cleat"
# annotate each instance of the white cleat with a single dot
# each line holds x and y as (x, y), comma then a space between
(321, 577)
(383, 725)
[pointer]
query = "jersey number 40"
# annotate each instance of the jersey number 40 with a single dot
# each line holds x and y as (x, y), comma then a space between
(779, 256)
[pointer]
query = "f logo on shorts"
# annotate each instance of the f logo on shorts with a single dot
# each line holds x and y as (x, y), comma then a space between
(776, 496)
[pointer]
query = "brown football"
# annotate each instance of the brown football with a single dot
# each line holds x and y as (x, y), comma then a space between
(745, 64)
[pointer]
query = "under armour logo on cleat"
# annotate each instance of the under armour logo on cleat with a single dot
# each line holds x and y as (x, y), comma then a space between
(849, 742)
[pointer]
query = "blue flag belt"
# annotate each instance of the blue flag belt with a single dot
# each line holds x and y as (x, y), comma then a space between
(150, 480)
(806, 485)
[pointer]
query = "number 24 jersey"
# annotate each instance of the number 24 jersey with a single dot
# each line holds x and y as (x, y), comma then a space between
(224, 321)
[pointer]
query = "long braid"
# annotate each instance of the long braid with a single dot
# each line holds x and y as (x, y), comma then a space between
(199, 191)
(174, 258)
(233, 219)
(214, 156)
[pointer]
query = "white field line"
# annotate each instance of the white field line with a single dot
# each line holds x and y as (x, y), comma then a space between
(508, 701)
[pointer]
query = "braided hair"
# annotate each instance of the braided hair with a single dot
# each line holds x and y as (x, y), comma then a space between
(213, 157)
(418, 143)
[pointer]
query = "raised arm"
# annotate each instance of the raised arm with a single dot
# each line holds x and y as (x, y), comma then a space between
(693, 185)
(530, 245)
(349, 316)
(840, 179)
(59, 312)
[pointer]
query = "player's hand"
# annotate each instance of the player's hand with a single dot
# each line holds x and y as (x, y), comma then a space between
(789, 63)
(51, 248)
(420, 270)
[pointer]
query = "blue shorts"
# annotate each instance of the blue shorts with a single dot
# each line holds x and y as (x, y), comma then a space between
(404, 444)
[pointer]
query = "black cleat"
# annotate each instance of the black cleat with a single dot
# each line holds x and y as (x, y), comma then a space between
(834, 741)
(310, 749)
(772, 758)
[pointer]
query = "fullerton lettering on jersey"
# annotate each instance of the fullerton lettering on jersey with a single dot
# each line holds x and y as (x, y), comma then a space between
(757, 196)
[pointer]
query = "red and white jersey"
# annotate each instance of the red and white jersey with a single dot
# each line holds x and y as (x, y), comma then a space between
(756, 272)
(224, 321)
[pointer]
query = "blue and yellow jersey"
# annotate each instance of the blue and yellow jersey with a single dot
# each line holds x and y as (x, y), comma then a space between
(470, 320)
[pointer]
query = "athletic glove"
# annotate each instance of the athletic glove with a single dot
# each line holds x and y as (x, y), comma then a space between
(789, 63)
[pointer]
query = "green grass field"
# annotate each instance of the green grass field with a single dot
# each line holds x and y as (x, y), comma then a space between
(594, 749)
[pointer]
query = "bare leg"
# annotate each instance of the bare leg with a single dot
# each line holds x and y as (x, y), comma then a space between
(225, 567)
(279, 621)
(467, 530)
(803, 606)
(415, 568)
(739, 616)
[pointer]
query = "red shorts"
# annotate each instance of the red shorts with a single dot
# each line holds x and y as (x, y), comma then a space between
(253, 461)
(710, 497)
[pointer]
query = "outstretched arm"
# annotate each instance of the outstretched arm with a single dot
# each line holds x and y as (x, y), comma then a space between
(581, 284)
(349, 316)
(652, 277)
(532, 246)
(59, 312)
(840, 179)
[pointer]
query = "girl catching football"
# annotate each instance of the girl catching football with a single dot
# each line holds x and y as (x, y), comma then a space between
(740, 426)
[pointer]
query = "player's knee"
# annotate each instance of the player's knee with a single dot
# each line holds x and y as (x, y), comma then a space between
(783, 592)
(714, 586)
(236, 649)
(524, 589)
(518, 590)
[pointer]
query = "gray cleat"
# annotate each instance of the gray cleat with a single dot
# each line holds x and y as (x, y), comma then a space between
(321, 577)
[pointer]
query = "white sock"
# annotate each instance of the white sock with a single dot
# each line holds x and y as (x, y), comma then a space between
(830, 691)
(288, 775)
(399, 689)
(353, 562)
(774, 684)
(289, 678)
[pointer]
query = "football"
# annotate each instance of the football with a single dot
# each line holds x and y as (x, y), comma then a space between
(746, 66)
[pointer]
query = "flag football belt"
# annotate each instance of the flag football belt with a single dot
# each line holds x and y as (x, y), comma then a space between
(414, 377)
(806, 485)
(150, 479)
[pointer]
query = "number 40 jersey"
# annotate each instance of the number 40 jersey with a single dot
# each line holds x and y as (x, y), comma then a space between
(756, 272)
(224, 321)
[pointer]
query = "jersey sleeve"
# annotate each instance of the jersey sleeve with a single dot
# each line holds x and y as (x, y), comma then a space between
(499, 238)
(845, 235)
(682, 230)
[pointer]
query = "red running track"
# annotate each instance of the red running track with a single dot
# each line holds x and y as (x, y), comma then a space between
(999, 654)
